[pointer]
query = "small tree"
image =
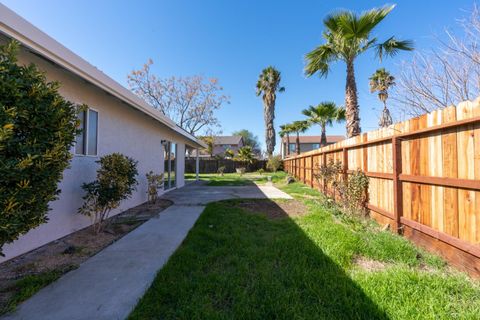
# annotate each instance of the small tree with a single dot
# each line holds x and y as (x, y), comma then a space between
(116, 181)
(153, 181)
(274, 163)
(37, 130)
(245, 155)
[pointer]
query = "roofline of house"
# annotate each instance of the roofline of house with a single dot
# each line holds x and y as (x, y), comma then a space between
(16, 27)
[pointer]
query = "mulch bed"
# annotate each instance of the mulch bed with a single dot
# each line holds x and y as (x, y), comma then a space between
(274, 209)
(69, 252)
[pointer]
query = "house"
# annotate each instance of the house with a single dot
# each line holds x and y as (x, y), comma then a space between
(222, 144)
(307, 143)
(116, 121)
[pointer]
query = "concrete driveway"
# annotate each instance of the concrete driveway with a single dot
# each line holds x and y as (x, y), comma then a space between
(109, 285)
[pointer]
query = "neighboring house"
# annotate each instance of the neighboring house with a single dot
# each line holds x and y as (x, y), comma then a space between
(307, 143)
(222, 144)
(116, 121)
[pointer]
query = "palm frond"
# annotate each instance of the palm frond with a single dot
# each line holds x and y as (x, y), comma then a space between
(370, 19)
(392, 46)
(318, 60)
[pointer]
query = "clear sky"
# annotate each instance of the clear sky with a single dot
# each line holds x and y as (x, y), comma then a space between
(233, 41)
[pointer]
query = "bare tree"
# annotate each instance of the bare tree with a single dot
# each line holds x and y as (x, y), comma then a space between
(189, 101)
(445, 76)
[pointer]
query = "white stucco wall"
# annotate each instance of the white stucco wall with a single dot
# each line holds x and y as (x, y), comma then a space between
(120, 129)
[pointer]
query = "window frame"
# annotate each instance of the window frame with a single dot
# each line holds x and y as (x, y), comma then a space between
(85, 134)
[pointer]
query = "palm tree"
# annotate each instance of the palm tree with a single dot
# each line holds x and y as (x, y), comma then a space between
(324, 114)
(285, 130)
(297, 127)
(229, 153)
(245, 154)
(348, 35)
(380, 82)
(268, 84)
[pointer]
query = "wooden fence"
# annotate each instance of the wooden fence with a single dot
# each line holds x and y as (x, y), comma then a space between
(424, 178)
(212, 165)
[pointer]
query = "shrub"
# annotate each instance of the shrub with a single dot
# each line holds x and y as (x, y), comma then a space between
(356, 192)
(116, 181)
(261, 171)
(37, 130)
(330, 174)
(153, 183)
(351, 194)
(274, 163)
(245, 154)
(221, 170)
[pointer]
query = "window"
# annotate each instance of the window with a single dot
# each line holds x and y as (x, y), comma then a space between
(87, 141)
(292, 147)
(316, 146)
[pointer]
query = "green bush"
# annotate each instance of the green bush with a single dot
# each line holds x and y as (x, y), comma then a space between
(116, 181)
(37, 130)
(274, 163)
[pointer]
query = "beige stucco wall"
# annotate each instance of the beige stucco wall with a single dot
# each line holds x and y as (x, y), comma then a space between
(121, 129)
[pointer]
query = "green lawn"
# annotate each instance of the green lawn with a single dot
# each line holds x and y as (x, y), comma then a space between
(238, 265)
(234, 179)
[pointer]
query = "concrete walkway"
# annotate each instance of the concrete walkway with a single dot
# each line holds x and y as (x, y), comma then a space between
(109, 285)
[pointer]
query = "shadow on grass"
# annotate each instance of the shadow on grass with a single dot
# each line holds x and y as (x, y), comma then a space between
(235, 264)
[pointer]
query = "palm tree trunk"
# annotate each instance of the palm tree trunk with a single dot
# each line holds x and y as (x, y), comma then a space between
(269, 115)
(297, 149)
(323, 139)
(288, 144)
(351, 103)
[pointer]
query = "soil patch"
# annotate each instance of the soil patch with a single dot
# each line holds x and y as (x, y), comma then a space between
(67, 253)
(274, 209)
(369, 264)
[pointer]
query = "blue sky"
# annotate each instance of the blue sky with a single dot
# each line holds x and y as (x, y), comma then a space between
(233, 41)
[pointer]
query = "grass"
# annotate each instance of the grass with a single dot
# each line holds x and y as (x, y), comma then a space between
(234, 264)
(27, 287)
(235, 179)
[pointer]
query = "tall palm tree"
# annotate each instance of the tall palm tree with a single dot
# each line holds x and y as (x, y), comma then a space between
(299, 127)
(285, 130)
(324, 114)
(267, 85)
(348, 35)
(380, 82)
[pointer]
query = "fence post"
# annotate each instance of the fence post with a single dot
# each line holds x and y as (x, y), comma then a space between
(345, 164)
(397, 184)
(304, 170)
(324, 181)
(311, 171)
